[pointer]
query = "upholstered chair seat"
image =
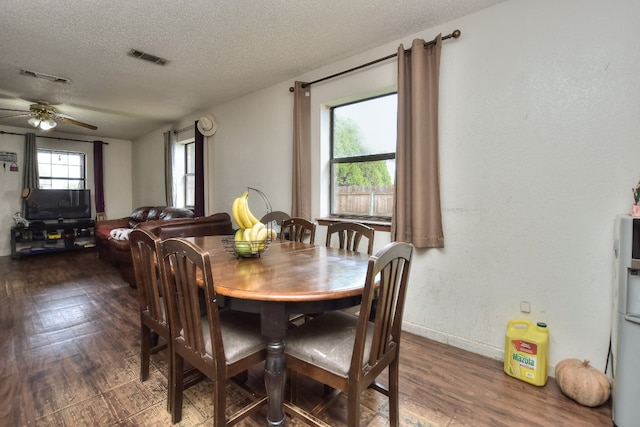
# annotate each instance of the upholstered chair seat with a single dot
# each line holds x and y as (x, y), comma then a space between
(240, 332)
(328, 341)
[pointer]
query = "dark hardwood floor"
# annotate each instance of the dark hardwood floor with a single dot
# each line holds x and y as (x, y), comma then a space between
(69, 357)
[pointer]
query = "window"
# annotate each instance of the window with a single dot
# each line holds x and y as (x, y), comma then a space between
(190, 174)
(363, 153)
(61, 170)
(184, 172)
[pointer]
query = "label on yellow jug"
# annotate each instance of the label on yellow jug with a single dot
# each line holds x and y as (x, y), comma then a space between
(526, 351)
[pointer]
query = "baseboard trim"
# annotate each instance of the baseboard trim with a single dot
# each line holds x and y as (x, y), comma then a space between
(462, 343)
(458, 342)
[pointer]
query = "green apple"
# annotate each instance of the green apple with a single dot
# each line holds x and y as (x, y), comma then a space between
(242, 246)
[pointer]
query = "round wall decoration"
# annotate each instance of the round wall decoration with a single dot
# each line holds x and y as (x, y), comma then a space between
(207, 125)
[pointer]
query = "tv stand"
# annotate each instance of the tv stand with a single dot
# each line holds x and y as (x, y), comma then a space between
(42, 237)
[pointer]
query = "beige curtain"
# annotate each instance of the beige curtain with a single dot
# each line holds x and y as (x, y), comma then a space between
(301, 191)
(417, 217)
(30, 178)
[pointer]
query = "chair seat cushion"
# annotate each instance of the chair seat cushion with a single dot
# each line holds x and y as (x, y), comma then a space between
(327, 341)
(240, 334)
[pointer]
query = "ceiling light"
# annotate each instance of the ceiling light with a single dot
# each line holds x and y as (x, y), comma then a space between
(34, 121)
(47, 124)
(42, 121)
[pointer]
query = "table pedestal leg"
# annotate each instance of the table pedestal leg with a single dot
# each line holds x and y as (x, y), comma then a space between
(274, 379)
(274, 324)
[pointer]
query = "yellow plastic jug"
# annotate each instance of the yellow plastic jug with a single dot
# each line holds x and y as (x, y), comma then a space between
(526, 351)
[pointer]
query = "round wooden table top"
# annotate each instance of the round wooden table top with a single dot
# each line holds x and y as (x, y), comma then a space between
(287, 271)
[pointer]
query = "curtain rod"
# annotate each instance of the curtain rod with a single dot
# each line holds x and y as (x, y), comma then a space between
(184, 129)
(455, 34)
(2, 132)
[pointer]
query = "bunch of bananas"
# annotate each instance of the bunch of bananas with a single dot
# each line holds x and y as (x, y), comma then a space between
(251, 237)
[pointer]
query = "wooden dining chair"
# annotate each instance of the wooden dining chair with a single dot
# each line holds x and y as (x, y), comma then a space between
(349, 235)
(220, 345)
(145, 248)
(277, 216)
(273, 220)
(298, 229)
(348, 353)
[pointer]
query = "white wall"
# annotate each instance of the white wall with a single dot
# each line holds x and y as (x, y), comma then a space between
(148, 174)
(252, 148)
(539, 151)
(118, 193)
(117, 175)
(10, 186)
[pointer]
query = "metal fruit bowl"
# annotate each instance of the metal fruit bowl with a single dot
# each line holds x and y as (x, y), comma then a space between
(245, 249)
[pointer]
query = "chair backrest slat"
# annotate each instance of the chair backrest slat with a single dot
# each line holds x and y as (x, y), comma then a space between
(350, 235)
(297, 229)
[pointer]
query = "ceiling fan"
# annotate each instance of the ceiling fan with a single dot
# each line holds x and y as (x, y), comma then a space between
(42, 115)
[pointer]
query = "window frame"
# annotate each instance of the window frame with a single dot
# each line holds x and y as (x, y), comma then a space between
(52, 177)
(353, 159)
(187, 174)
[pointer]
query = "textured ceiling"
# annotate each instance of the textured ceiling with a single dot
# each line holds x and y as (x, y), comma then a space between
(217, 51)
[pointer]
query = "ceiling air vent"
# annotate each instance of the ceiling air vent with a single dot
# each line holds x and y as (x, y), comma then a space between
(39, 75)
(148, 57)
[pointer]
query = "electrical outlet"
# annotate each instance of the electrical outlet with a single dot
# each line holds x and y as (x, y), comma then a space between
(525, 306)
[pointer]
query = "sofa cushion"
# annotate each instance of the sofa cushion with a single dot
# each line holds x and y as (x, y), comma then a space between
(139, 215)
(172, 213)
(102, 233)
(122, 248)
(154, 213)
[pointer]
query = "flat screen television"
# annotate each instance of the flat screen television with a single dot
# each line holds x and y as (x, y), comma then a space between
(46, 205)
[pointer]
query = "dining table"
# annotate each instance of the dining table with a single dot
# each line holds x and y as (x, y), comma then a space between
(289, 278)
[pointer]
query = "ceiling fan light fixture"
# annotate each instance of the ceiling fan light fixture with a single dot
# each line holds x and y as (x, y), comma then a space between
(34, 121)
(43, 116)
(48, 124)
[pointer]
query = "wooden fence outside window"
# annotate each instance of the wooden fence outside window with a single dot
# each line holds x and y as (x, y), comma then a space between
(364, 200)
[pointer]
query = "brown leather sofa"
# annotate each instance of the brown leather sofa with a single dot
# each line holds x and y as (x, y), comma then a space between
(162, 221)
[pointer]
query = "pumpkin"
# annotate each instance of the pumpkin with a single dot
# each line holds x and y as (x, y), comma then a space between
(582, 382)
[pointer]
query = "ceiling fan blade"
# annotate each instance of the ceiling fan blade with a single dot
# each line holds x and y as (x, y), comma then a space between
(17, 111)
(13, 116)
(77, 123)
